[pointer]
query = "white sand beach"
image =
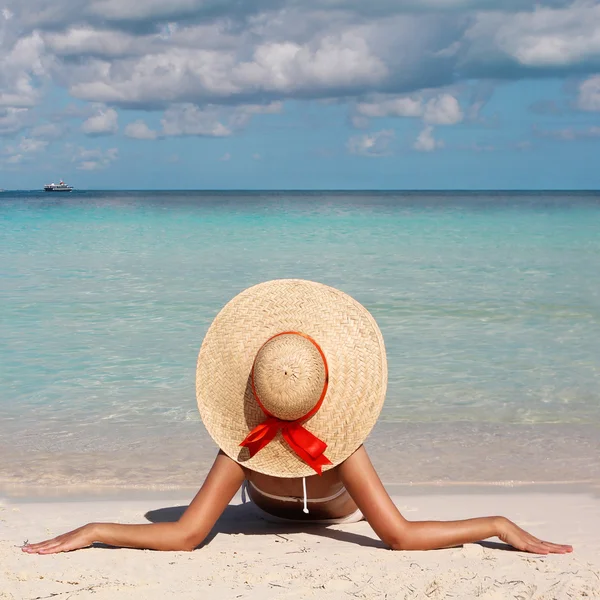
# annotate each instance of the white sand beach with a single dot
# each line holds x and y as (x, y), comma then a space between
(248, 558)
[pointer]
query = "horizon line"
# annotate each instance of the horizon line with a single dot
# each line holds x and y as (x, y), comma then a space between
(305, 190)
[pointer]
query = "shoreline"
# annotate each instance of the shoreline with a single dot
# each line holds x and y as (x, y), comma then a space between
(81, 494)
(411, 454)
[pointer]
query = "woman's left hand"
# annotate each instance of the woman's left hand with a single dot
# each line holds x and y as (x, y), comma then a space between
(73, 540)
(520, 539)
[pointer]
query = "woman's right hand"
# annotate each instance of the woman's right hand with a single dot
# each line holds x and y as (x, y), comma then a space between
(73, 540)
(518, 538)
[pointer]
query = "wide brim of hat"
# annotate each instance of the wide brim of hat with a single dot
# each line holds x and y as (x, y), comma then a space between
(351, 342)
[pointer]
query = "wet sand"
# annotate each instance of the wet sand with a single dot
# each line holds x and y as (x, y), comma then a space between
(179, 456)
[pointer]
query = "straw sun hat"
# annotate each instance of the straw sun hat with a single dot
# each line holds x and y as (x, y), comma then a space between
(291, 377)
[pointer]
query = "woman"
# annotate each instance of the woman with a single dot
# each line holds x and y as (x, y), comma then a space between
(291, 378)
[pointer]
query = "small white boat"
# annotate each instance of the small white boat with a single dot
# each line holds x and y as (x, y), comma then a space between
(58, 187)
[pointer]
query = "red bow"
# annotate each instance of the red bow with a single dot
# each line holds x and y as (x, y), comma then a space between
(305, 444)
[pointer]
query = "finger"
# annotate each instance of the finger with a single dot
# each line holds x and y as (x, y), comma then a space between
(58, 538)
(536, 548)
(55, 549)
(532, 539)
(59, 546)
(546, 547)
(66, 546)
(50, 543)
(39, 544)
(34, 549)
(42, 544)
(558, 548)
(53, 540)
(43, 548)
(555, 548)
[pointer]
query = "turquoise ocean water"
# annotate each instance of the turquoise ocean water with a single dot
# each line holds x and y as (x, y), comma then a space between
(489, 304)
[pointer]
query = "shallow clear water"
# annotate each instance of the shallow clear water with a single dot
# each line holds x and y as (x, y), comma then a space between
(489, 303)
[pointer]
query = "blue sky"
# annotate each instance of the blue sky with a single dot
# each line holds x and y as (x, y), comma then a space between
(276, 94)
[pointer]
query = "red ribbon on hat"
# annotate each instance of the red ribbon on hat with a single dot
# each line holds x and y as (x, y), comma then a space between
(305, 444)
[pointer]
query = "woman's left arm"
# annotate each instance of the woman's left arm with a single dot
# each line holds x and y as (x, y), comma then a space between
(367, 491)
(221, 484)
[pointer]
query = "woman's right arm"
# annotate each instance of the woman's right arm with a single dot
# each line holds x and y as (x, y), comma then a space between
(367, 491)
(221, 484)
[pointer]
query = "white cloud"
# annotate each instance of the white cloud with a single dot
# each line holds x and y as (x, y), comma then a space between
(104, 122)
(23, 150)
(331, 63)
(569, 134)
(336, 61)
(543, 38)
(442, 110)
(273, 108)
(151, 13)
(21, 68)
(94, 159)
(47, 131)
(374, 144)
(131, 10)
(140, 131)
(225, 57)
(300, 53)
(225, 157)
(403, 106)
(589, 94)
(187, 119)
(29, 145)
(479, 95)
(14, 159)
(425, 141)
(256, 156)
(82, 41)
(359, 122)
(157, 79)
(242, 115)
(13, 120)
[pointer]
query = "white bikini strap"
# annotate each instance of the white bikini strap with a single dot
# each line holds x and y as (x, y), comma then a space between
(305, 509)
